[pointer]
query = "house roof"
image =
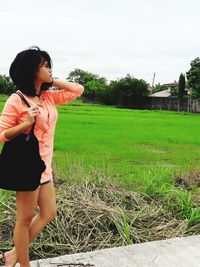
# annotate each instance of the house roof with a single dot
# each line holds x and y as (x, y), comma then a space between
(164, 93)
(174, 84)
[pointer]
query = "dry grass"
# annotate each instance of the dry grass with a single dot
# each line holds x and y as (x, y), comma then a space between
(192, 179)
(85, 220)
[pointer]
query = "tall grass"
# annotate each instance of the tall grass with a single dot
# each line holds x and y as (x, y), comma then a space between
(124, 225)
(182, 203)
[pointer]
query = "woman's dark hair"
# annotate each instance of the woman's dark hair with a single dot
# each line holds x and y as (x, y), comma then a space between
(24, 67)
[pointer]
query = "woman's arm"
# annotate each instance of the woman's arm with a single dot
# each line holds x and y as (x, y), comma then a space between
(69, 91)
(16, 130)
(63, 84)
(9, 117)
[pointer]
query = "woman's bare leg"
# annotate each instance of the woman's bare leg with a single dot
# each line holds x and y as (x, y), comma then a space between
(47, 205)
(25, 207)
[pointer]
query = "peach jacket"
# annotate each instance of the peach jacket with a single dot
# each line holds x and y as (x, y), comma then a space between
(15, 112)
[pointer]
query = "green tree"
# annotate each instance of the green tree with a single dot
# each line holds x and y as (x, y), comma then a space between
(181, 86)
(94, 89)
(130, 86)
(174, 91)
(81, 76)
(193, 77)
(93, 83)
(125, 87)
(6, 85)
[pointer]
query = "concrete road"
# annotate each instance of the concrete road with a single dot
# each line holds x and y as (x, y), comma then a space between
(176, 252)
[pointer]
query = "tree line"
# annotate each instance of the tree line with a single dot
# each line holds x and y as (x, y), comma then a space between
(97, 89)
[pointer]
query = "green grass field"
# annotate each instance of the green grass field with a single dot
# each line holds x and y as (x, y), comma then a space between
(133, 147)
(127, 145)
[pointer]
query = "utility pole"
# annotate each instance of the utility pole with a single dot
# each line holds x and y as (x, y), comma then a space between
(153, 80)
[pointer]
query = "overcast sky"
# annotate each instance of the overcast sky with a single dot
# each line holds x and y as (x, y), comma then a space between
(108, 37)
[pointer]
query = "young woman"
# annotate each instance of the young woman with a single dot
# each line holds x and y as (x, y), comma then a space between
(31, 73)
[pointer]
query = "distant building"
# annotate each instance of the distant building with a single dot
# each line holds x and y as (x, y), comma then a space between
(169, 88)
(164, 93)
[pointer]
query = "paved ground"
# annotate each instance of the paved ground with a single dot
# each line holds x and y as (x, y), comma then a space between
(179, 252)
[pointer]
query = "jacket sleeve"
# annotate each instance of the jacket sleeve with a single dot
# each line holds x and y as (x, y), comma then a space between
(64, 96)
(8, 118)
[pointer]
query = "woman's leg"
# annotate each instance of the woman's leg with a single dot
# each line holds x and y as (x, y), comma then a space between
(47, 205)
(25, 207)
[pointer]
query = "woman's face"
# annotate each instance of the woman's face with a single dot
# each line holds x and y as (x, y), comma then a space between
(44, 73)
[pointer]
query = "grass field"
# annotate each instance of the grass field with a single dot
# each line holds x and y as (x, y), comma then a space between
(127, 145)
